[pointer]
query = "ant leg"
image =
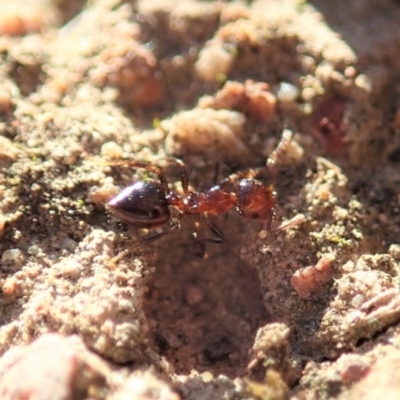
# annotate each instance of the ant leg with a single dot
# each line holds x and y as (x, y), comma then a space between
(269, 220)
(175, 224)
(219, 236)
(217, 172)
(158, 171)
(199, 238)
(136, 164)
(203, 249)
(253, 172)
(237, 176)
(184, 174)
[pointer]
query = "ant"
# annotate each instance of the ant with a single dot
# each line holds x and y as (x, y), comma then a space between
(146, 204)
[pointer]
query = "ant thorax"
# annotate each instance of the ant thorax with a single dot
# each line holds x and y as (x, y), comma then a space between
(214, 201)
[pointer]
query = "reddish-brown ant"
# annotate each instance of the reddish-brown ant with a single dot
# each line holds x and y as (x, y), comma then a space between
(146, 204)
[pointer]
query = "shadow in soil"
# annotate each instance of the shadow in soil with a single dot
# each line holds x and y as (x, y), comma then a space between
(377, 26)
(204, 314)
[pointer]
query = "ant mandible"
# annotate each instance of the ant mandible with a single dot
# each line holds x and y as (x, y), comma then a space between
(146, 204)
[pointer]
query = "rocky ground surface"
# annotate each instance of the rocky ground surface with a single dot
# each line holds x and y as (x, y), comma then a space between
(309, 312)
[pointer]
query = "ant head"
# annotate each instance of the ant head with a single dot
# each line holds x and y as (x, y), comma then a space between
(143, 205)
(255, 200)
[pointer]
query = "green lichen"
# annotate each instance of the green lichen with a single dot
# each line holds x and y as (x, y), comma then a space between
(273, 388)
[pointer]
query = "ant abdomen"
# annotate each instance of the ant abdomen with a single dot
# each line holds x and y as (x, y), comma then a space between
(143, 205)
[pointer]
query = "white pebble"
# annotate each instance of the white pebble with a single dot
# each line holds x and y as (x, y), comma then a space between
(358, 300)
(287, 93)
(111, 150)
(213, 61)
(11, 255)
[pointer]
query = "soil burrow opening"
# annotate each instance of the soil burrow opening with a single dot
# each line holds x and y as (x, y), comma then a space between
(204, 314)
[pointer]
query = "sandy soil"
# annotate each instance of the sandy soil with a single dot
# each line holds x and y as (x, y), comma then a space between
(310, 312)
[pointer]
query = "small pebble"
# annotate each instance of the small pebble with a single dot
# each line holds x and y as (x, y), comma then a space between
(357, 300)
(5, 99)
(353, 368)
(7, 149)
(102, 194)
(305, 281)
(2, 224)
(11, 255)
(287, 93)
(394, 251)
(34, 250)
(111, 150)
(194, 295)
(213, 62)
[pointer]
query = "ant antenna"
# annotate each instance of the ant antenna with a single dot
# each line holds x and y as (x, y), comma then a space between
(136, 165)
(184, 174)
(281, 148)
